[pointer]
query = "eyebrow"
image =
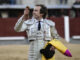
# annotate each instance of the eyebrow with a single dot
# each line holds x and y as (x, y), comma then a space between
(35, 9)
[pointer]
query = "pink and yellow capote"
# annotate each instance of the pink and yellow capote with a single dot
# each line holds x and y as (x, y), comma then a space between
(60, 47)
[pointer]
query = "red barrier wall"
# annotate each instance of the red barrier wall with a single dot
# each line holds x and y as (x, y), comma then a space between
(59, 25)
(7, 26)
(74, 26)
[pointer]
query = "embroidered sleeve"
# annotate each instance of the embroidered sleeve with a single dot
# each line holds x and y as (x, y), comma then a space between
(20, 25)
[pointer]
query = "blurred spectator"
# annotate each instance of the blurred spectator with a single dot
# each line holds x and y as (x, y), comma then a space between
(75, 11)
(77, 2)
(4, 1)
(63, 1)
(7, 2)
(12, 2)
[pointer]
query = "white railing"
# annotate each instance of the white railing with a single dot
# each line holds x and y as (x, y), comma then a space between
(13, 38)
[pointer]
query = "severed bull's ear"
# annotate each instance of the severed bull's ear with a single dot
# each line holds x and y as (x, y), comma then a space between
(47, 52)
(42, 51)
(48, 46)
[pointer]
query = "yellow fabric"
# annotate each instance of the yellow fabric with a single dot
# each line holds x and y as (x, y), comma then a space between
(43, 58)
(58, 45)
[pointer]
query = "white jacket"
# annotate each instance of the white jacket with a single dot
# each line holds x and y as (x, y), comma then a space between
(47, 31)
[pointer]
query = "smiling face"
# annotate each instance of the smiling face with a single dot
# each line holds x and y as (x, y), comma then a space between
(36, 12)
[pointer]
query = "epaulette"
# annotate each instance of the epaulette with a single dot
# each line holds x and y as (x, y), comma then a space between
(49, 22)
(29, 21)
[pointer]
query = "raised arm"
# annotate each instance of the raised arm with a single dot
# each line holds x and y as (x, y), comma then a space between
(20, 25)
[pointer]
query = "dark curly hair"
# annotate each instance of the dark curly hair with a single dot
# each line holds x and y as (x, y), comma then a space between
(43, 10)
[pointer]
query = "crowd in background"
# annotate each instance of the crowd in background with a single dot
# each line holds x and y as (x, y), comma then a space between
(14, 2)
(52, 12)
(77, 2)
(8, 2)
